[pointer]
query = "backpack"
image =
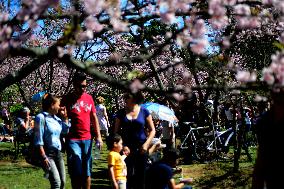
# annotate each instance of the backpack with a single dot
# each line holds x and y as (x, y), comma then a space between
(33, 155)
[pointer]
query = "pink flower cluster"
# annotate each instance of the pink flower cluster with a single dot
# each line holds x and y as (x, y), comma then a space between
(274, 74)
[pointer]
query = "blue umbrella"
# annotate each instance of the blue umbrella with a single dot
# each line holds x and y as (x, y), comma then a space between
(38, 96)
(159, 111)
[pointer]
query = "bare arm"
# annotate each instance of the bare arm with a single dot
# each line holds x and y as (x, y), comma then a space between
(172, 184)
(116, 125)
(111, 172)
(172, 131)
(26, 123)
(44, 157)
(97, 131)
(106, 116)
(154, 147)
(152, 133)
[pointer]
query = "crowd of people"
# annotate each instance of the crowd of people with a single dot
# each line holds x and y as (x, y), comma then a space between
(132, 136)
(81, 119)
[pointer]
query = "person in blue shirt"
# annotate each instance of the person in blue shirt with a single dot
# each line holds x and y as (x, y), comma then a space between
(131, 123)
(48, 128)
(160, 174)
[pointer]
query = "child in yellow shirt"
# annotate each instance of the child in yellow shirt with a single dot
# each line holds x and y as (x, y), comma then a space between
(116, 164)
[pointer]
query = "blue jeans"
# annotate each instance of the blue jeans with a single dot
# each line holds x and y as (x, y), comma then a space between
(79, 158)
(187, 187)
(57, 177)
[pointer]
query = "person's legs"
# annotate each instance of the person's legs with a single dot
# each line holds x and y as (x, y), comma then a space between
(61, 169)
(121, 184)
(74, 161)
(187, 187)
(54, 177)
(140, 170)
(86, 163)
(245, 141)
(130, 160)
(87, 183)
(2, 129)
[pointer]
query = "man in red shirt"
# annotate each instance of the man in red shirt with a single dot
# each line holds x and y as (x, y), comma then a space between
(81, 110)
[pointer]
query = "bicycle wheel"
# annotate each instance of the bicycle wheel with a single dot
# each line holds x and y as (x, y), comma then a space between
(228, 141)
(251, 139)
(186, 149)
(202, 152)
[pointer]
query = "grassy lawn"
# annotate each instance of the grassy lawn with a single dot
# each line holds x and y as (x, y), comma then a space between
(17, 174)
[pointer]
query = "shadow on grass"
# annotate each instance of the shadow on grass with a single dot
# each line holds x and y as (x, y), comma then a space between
(7, 154)
(100, 179)
(228, 180)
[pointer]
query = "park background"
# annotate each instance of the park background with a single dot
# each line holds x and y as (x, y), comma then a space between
(220, 50)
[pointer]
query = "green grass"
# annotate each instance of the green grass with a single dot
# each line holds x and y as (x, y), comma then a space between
(21, 176)
(220, 174)
(17, 174)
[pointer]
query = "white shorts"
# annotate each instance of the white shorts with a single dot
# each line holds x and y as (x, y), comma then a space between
(121, 184)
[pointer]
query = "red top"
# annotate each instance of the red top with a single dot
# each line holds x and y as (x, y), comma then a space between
(79, 111)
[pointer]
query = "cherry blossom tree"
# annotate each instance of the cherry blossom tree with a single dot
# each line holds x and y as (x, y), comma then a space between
(175, 47)
(112, 39)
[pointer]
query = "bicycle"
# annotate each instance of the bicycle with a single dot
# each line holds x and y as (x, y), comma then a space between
(205, 143)
(189, 134)
(214, 145)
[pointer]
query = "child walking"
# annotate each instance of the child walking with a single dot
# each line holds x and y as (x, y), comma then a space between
(116, 164)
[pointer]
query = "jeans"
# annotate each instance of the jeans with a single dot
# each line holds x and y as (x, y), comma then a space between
(187, 187)
(57, 177)
(79, 157)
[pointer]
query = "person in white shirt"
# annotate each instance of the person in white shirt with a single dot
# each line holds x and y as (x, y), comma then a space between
(102, 116)
(168, 134)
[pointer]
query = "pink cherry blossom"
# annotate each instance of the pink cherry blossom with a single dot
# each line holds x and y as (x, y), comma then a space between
(200, 46)
(60, 52)
(267, 76)
(259, 98)
(93, 24)
(198, 30)
(229, 2)
(219, 23)
(168, 17)
(119, 25)
(94, 6)
(216, 8)
(242, 9)
(281, 38)
(248, 22)
(178, 97)
(268, 2)
(246, 76)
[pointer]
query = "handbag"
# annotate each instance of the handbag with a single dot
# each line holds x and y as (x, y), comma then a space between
(33, 156)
